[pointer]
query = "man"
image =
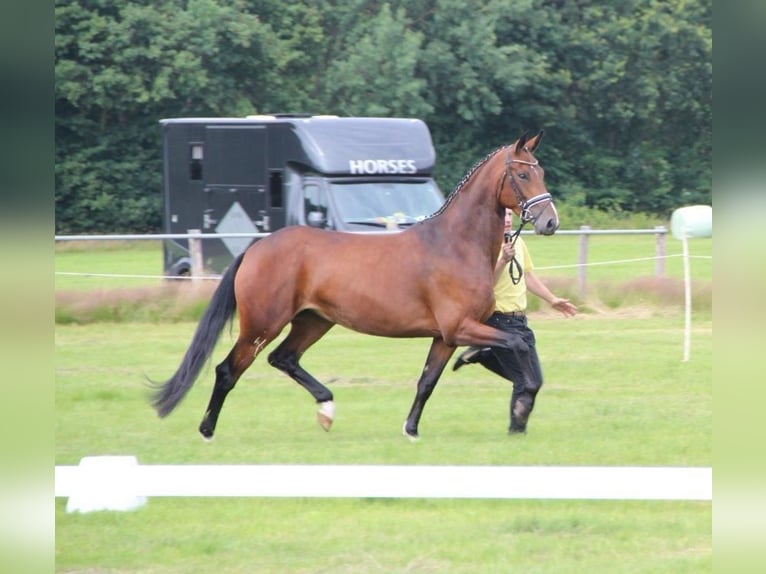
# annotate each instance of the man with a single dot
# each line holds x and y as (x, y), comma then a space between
(518, 364)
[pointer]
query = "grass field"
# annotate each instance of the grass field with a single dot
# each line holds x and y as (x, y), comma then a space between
(616, 393)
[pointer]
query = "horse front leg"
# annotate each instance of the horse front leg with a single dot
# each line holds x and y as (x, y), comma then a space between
(438, 356)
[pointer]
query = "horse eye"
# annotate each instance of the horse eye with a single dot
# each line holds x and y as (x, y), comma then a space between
(523, 175)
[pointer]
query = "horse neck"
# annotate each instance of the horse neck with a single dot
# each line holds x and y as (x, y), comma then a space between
(473, 212)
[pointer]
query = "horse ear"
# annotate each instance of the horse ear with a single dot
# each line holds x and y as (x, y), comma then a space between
(532, 143)
(521, 143)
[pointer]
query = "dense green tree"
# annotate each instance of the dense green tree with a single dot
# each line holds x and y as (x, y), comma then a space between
(633, 118)
(375, 73)
(623, 89)
(300, 43)
(476, 82)
(120, 67)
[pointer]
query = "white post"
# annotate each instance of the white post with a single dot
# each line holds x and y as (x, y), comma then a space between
(195, 253)
(583, 260)
(105, 483)
(687, 223)
(659, 266)
(687, 297)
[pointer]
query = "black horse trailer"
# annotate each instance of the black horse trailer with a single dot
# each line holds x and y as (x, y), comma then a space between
(257, 174)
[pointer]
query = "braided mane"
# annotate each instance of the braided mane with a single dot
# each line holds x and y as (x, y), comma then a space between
(463, 181)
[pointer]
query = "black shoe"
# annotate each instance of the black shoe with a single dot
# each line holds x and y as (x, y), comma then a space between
(470, 355)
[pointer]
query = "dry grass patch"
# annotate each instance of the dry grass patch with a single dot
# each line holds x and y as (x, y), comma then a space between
(175, 301)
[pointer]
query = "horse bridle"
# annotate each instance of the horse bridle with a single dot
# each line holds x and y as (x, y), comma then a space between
(525, 207)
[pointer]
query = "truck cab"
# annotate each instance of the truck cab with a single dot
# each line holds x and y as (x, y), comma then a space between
(257, 174)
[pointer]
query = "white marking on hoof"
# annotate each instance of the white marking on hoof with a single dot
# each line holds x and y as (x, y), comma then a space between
(326, 414)
(207, 438)
(408, 435)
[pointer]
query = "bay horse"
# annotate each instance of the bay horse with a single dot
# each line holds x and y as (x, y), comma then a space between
(433, 279)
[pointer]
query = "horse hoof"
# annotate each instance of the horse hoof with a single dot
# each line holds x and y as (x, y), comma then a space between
(412, 437)
(326, 414)
(324, 421)
(207, 436)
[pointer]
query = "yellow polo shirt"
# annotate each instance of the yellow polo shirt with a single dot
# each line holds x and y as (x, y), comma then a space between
(510, 297)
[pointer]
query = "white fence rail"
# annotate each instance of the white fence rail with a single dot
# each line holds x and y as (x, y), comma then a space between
(97, 480)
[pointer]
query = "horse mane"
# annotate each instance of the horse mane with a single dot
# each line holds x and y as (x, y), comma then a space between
(463, 181)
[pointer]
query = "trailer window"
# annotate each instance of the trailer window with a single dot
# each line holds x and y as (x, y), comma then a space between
(275, 188)
(380, 202)
(315, 201)
(195, 164)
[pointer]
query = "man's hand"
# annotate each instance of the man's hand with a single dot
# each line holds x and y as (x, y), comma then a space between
(508, 252)
(564, 306)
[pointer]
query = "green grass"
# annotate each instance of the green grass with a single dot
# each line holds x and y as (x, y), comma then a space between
(616, 393)
(388, 537)
(618, 257)
(119, 258)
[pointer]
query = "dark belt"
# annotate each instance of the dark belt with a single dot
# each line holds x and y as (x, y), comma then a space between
(513, 314)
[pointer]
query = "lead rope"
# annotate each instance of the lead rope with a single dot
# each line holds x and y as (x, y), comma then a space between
(515, 270)
(514, 263)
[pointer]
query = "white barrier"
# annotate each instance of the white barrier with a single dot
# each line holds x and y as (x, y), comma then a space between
(687, 223)
(126, 481)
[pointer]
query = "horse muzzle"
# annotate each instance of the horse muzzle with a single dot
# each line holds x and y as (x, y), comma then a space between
(546, 226)
(546, 220)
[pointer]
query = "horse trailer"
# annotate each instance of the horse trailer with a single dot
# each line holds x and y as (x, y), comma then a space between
(257, 174)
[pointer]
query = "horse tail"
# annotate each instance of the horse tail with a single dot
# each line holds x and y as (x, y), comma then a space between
(221, 309)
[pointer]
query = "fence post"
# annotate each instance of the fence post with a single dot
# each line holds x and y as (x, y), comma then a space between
(195, 252)
(659, 266)
(583, 258)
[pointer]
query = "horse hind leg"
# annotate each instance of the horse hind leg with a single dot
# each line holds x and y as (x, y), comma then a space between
(227, 373)
(306, 329)
(438, 356)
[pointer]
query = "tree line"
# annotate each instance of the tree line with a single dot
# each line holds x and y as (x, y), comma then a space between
(622, 88)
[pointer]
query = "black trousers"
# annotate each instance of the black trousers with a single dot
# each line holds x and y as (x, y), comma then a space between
(518, 364)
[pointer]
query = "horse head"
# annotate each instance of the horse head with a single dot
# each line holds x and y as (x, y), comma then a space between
(522, 187)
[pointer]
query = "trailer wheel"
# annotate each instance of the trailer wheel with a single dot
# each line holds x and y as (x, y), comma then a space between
(181, 268)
